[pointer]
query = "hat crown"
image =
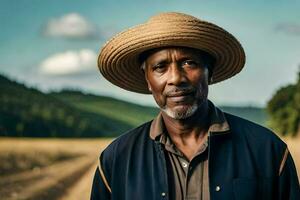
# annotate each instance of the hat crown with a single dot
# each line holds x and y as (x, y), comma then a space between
(171, 16)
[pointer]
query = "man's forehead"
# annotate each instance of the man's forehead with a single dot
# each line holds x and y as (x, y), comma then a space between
(165, 51)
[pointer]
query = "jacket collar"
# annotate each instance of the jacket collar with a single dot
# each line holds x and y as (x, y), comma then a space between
(218, 123)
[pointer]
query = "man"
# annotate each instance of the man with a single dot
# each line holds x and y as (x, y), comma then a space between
(192, 150)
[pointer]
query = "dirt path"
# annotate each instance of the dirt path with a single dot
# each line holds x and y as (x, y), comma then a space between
(50, 183)
(81, 190)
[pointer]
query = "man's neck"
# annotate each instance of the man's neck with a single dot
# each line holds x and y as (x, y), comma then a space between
(197, 122)
(190, 133)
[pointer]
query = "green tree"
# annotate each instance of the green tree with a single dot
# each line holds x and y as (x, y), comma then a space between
(284, 109)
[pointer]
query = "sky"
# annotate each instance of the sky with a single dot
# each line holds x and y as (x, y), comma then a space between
(54, 44)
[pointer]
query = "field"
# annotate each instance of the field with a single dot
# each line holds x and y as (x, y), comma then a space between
(48, 168)
(59, 169)
(294, 147)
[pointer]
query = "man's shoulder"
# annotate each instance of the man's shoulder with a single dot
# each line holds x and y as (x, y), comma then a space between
(253, 132)
(131, 137)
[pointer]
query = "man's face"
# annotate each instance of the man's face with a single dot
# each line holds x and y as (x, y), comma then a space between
(177, 79)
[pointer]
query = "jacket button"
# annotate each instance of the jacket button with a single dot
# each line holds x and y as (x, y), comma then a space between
(218, 188)
(163, 194)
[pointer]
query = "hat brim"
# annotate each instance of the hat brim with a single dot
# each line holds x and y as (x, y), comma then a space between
(119, 61)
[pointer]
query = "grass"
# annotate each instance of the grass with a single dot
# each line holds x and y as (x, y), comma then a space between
(17, 155)
(16, 161)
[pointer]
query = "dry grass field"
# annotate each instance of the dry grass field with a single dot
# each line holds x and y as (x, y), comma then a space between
(60, 169)
(294, 147)
(48, 168)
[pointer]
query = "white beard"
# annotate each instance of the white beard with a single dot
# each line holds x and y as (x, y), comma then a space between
(181, 114)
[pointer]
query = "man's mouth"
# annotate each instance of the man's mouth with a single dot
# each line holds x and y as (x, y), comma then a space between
(180, 96)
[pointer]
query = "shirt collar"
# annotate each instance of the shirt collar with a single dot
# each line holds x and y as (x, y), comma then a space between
(218, 123)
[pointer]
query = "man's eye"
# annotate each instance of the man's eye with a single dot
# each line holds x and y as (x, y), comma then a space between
(190, 63)
(159, 67)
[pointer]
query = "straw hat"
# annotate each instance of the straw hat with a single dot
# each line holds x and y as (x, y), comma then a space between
(119, 58)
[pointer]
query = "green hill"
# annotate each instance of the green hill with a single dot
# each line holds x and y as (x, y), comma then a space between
(136, 114)
(255, 114)
(126, 112)
(28, 112)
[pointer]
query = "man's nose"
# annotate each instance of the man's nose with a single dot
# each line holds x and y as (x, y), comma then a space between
(177, 75)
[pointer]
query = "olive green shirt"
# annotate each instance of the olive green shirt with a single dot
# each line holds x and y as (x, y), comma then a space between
(188, 180)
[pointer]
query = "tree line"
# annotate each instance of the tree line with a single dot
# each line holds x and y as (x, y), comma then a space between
(284, 109)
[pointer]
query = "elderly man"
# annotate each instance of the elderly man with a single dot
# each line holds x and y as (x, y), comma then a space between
(191, 150)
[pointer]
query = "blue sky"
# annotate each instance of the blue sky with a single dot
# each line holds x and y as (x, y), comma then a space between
(53, 44)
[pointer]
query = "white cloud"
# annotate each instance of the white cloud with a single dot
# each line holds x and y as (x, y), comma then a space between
(69, 62)
(72, 26)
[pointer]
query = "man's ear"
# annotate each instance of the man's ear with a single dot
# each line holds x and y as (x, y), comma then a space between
(149, 86)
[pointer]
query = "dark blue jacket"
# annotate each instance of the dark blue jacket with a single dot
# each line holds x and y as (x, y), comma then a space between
(248, 162)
